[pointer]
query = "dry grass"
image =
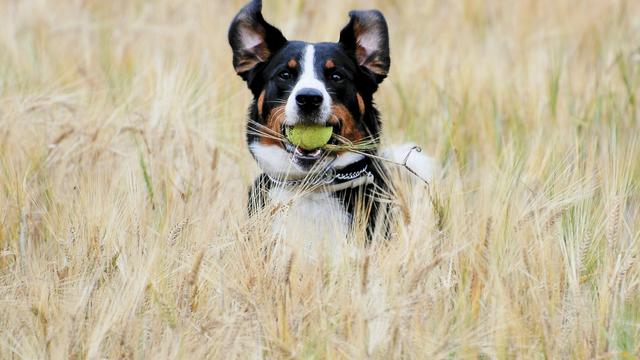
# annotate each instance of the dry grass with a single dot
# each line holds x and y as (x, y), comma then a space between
(123, 171)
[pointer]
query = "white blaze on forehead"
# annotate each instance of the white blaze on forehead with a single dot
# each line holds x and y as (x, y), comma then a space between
(308, 80)
(308, 75)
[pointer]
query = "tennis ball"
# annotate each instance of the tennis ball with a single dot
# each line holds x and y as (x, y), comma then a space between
(308, 136)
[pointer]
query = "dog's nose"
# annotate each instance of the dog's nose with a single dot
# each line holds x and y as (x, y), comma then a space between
(309, 99)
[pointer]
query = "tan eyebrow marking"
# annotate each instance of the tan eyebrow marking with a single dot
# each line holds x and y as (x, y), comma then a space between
(292, 63)
(330, 64)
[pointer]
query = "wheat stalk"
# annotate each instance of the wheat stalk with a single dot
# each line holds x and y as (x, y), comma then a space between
(553, 219)
(176, 231)
(612, 233)
(584, 250)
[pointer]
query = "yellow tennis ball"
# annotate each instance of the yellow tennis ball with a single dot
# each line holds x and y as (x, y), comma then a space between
(308, 136)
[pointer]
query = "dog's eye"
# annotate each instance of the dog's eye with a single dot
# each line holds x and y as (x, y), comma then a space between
(337, 77)
(285, 75)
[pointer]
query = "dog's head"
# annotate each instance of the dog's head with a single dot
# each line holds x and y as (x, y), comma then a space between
(330, 84)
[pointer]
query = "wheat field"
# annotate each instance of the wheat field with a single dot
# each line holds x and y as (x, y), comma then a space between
(124, 171)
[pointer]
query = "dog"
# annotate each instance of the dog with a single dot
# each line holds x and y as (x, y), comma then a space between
(342, 186)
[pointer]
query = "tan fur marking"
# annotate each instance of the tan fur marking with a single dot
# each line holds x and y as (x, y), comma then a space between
(292, 63)
(245, 65)
(330, 64)
(260, 103)
(274, 127)
(349, 129)
(360, 103)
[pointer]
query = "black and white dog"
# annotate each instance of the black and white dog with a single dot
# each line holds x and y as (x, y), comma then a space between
(331, 84)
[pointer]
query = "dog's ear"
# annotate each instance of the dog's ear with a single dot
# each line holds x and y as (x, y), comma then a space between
(367, 37)
(252, 39)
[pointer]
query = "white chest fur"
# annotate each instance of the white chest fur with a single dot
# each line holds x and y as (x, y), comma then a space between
(309, 220)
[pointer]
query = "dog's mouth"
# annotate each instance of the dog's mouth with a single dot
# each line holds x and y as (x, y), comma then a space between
(308, 158)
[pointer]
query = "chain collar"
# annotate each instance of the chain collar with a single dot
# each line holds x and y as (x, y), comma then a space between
(331, 180)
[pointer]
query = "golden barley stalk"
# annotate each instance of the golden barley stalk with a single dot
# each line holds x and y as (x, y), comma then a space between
(614, 218)
(175, 232)
(584, 250)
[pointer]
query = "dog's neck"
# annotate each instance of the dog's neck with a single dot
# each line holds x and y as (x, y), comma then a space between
(332, 180)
